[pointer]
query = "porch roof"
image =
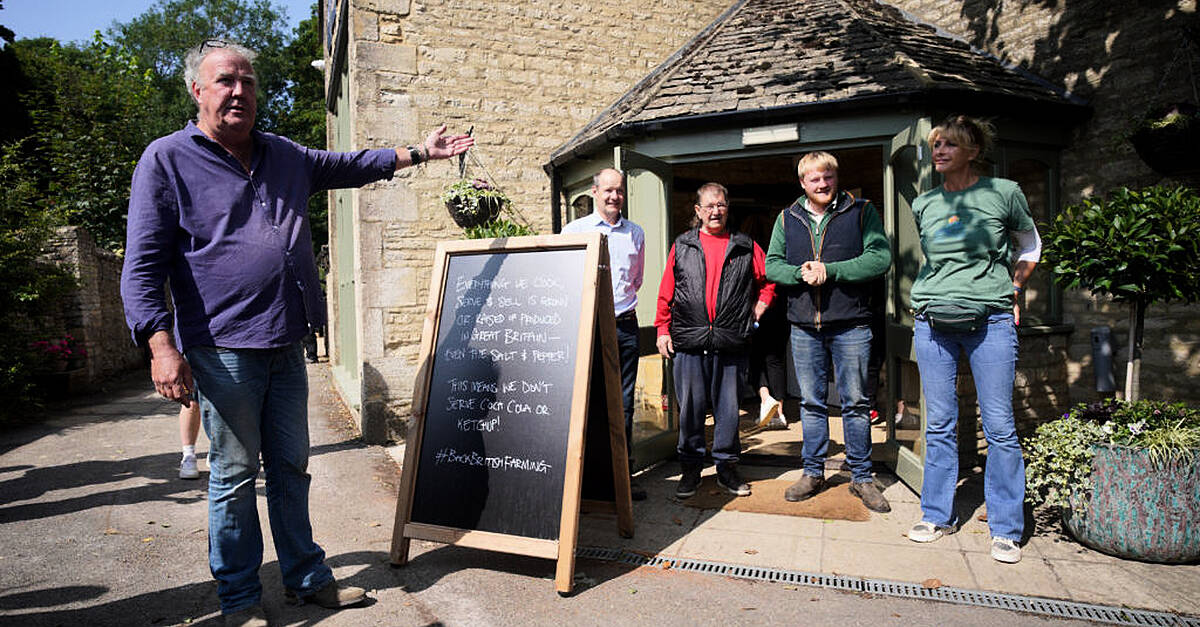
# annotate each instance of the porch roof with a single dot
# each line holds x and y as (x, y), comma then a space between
(764, 59)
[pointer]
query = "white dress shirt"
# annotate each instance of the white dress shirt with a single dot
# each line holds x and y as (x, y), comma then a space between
(626, 253)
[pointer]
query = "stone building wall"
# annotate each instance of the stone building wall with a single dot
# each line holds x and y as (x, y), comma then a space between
(526, 76)
(1119, 56)
(93, 312)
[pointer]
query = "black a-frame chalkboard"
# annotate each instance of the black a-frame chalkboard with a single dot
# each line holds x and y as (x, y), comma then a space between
(518, 356)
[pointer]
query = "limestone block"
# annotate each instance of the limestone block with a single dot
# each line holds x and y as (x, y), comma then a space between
(389, 201)
(394, 7)
(401, 58)
(387, 288)
(370, 249)
(371, 345)
(366, 26)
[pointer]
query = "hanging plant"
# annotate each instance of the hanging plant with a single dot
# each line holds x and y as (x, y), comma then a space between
(1166, 139)
(473, 202)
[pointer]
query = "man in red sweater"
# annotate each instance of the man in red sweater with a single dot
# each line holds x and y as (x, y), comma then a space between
(713, 291)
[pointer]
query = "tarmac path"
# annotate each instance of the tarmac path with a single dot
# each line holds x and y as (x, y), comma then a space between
(96, 529)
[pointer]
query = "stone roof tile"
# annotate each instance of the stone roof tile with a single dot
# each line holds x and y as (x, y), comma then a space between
(768, 53)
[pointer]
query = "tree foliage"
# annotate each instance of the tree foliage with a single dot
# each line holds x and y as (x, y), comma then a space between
(78, 116)
(1134, 245)
(160, 37)
(1138, 246)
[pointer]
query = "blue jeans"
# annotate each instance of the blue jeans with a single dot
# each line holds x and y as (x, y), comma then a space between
(992, 354)
(703, 380)
(255, 402)
(850, 350)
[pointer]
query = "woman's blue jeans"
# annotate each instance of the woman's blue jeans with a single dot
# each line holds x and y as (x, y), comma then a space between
(850, 350)
(991, 352)
(255, 402)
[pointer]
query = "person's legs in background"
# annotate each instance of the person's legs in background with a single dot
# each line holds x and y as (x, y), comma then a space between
(189, 432)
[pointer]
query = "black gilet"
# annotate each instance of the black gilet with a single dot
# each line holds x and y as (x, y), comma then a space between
(731, 327)
(835, 303)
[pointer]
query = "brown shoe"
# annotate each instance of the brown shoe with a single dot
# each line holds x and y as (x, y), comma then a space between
(871, 496)
(807, 487)
(332, 596)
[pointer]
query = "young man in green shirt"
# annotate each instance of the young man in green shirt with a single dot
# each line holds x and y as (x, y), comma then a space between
(826, 250)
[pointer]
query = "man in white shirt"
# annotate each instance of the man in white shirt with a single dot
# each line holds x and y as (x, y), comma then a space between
(626, 253)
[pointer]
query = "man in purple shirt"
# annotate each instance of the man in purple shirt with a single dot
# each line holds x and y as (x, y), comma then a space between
(221, 210)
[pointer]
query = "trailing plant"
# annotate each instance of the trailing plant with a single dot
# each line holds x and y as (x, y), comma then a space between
(499, 227)
(1060, 452)
(1139, 246)
(473, 201)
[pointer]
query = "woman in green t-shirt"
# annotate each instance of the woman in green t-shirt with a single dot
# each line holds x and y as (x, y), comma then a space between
(965, 298)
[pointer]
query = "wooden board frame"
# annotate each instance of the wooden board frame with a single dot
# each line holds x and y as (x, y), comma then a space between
(597, 329)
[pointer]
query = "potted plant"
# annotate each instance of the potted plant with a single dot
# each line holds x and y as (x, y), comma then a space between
(1137, 246)
(473, 202)
(1124, 476)
(1166, 139)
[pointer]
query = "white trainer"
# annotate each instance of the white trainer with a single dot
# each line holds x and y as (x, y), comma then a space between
(1005, 550)
(188, 468)
(768, 410)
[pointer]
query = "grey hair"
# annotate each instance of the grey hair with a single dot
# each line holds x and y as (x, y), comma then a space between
(197, 54)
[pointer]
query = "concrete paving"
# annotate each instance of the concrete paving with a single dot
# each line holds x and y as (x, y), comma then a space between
(96, 529)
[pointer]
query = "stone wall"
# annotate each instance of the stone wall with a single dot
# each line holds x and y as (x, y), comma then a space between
(93, 312)
(525, 76)
(1118, 56)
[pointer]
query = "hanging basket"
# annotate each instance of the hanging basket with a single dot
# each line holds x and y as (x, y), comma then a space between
(1170, 148)
(467, 217)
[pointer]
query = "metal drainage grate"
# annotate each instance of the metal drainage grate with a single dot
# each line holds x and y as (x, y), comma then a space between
(1016, 603)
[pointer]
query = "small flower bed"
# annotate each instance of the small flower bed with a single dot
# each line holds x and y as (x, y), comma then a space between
(57, 352)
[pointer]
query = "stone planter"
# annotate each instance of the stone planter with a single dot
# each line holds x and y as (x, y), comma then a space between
(466, 218)
(1139, 510)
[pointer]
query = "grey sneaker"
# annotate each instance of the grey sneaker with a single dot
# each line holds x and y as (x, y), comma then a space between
(330, 597)
(1005, 550)
(926, 532)
(250, 617)
(188, 469)
(689, 483)
(871, 496)
(729, 479)
(807, 487)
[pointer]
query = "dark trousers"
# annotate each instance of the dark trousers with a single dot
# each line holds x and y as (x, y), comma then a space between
(768, 354)
(704, 380)
(627, 347)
